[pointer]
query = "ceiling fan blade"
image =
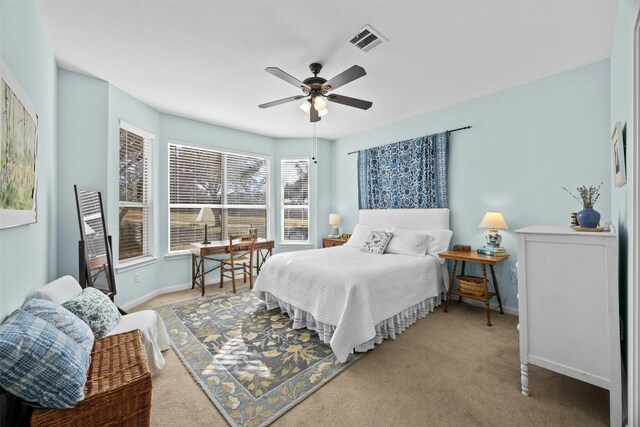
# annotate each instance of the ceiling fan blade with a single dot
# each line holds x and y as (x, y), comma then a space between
(280, 101)
(345, 77)
(313, 114)
(351, 102)
(286, 77)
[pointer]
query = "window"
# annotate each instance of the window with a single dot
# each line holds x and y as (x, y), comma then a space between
(136, 194)
(295, 200)
(233, 185)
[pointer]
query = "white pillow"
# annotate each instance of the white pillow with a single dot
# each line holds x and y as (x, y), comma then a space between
(60, 290)
(409, 242)
(359, 235)
(440, 242)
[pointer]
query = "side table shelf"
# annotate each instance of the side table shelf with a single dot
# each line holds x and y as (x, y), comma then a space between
(483, 260)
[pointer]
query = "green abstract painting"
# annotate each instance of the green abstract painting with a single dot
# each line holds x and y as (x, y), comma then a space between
(18, 154)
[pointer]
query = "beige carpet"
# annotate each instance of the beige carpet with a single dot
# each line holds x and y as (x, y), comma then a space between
(449, 369)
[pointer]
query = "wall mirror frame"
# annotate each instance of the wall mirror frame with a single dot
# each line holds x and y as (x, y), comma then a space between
(95, 256)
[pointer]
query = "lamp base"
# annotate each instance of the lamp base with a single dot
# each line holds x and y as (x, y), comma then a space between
(206, 238)
(493, 238)
(335, 231)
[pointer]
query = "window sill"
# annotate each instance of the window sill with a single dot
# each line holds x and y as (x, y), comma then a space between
(126, 266)
(177, 255)
(295, 244)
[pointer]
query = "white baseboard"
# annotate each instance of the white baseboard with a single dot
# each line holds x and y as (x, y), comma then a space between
(141, 300)
(506, 309)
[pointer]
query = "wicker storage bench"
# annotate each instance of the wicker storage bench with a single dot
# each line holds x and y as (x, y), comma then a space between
(118, 388)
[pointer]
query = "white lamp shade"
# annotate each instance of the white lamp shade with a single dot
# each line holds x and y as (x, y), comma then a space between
(493, 220)
(334, 219)
(323, 112)
(305, 106)
(206, 215)
(319, 103)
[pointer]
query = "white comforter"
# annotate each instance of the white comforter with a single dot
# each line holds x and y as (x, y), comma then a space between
(350, 289)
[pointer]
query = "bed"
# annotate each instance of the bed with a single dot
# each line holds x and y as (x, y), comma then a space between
(353, 299)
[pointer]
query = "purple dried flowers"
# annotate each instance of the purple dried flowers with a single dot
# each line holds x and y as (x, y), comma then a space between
(588, 195)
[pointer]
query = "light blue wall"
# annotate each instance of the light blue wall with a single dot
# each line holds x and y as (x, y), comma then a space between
(28, 252)
(525, 145)
(621, 93)
(82, 156)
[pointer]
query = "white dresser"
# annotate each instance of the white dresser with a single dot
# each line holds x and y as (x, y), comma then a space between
(568, 304)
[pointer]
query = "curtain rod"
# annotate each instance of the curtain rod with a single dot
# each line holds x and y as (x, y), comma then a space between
(452, 130)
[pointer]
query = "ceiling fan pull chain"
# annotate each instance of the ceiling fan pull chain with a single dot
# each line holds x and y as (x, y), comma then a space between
(315, 145)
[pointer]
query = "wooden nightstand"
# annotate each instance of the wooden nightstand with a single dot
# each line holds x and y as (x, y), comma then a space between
(328, 242)
(483, 260)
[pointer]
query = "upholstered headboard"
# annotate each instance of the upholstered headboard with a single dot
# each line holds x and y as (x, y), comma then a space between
(413, 219)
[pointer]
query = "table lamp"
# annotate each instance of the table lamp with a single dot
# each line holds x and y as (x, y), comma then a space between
(493, 221)
(205, 215)
(334, 221)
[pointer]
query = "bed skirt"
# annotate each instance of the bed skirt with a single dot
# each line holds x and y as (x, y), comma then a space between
(387, 329)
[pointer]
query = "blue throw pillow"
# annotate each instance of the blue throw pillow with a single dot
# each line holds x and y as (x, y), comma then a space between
(96, 309)
(63, 320)
(40, 364)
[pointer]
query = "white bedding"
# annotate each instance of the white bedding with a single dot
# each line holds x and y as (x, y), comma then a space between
(350, 289)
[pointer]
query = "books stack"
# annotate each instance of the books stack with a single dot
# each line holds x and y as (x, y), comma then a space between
(490, 250)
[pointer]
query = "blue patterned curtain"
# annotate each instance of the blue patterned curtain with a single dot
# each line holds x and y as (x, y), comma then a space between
(405, 175)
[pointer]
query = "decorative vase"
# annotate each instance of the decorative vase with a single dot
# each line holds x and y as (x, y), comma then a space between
(588, 218)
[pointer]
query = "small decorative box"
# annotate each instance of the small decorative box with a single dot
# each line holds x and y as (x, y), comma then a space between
(462, 248)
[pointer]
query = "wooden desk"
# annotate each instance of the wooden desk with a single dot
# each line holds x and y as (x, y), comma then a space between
(200, 253)
(483, 260)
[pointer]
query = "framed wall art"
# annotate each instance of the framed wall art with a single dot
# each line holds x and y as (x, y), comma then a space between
(18, 153)
(617, 156)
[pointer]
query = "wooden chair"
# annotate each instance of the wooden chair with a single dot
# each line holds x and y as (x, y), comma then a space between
(241, 250)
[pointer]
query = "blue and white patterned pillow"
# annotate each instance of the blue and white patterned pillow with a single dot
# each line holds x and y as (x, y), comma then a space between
(40, 364)
(376, 242)
(96, 309)
(63, 320)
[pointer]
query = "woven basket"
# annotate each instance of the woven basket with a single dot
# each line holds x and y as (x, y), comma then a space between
(472, 285)
(118, 388)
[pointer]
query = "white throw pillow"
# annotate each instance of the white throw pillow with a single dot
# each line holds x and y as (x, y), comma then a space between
(440, 243)
(376, 242)
(359, 235)
(409, 242)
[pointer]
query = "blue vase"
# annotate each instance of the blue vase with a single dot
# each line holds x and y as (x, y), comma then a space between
(588, 218)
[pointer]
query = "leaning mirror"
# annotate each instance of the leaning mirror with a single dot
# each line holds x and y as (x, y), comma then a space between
(94, 247)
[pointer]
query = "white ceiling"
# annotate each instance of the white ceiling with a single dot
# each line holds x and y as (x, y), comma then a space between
(206, 59)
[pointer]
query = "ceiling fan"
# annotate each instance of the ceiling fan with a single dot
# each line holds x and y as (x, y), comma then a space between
(317, 90)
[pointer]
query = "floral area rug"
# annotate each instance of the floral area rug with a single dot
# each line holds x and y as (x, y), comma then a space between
(249, 360)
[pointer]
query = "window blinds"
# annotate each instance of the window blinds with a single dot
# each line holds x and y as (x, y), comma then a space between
(234, 186)
(136, 193)
(295, 200)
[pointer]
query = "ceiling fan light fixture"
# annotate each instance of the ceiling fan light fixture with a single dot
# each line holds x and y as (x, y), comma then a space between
(318, 91)
(305, 107)
(319, 103)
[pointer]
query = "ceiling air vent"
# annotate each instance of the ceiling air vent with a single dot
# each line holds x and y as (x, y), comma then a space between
(366, 39)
